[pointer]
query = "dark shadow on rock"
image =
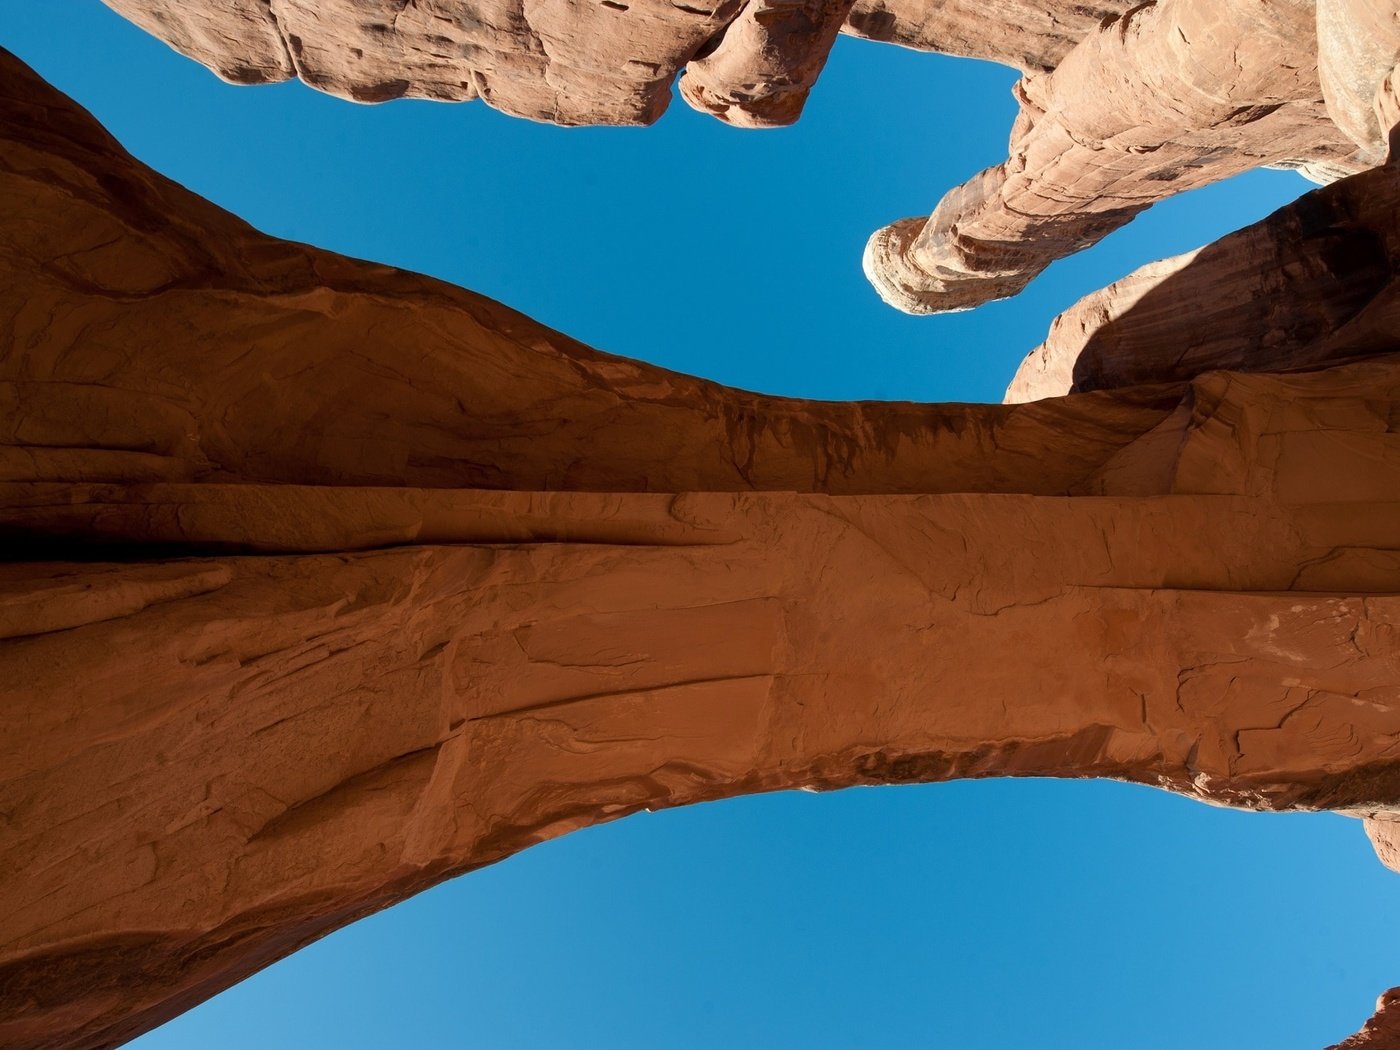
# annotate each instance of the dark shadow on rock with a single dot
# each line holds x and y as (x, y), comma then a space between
(1316, 282)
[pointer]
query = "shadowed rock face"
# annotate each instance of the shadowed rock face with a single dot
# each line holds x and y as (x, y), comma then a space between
(337, 581)
(1318, 281)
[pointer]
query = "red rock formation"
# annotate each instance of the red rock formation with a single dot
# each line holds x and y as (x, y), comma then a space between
(759, 71)
(1382, 1031)
(1358, 48)
(1123, 103)
(1318, 281)
(1172, 95)
(339, 581)
(1032, 35)
(750, 62)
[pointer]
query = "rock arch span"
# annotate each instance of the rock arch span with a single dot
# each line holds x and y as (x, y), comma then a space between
(331, 581)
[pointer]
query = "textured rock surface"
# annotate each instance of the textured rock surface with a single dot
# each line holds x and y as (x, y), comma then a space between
(1317, 281)
(341, 581)
(750, 62)
(1123, 104)
(1358, 48)
(1032, 35)
(1172, 95)
(1382, 1031)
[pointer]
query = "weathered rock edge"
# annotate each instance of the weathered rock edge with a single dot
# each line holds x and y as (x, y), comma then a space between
(1316, 282)
(1382, 1031)
(748, 62)
(1172, 95)
(1122, 104)
(332, 581)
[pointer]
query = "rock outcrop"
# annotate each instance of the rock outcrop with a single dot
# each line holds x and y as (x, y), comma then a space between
(1172, 95)
(334, 581)
(750, 62)
(1358, 48)
(1382, 1031)
(1123, 104)
(1318, 281)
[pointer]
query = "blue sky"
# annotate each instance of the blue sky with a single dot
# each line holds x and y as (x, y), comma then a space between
(976, 916)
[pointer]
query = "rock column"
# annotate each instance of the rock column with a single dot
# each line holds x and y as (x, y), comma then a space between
(1169, 96)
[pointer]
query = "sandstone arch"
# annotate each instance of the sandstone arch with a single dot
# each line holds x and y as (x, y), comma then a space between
(1313, 282)
(332, 581)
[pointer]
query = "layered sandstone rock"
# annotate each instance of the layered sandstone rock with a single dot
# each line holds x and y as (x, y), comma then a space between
(1032, 35)
(339, 581)
(1172, 95)
(1123, 104)
(1317, 281)
(750, 62)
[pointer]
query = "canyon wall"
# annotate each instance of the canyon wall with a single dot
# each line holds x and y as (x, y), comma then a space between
(333, 581)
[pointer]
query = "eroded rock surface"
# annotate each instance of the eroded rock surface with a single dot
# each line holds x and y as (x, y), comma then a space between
(340, 581)
(750, 62)
(1172, 95)
(1358, 48)
(1382, 1031)
(1123, 104)
(1318, 281)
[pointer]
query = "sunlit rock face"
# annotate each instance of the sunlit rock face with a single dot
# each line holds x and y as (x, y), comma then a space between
(1382, 1031)
(337, 581)
(1317, 281)
(1122, 104)
(750, 62)
(1172, 95)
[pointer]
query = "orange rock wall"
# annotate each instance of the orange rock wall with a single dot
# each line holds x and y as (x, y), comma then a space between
(1382, 1031)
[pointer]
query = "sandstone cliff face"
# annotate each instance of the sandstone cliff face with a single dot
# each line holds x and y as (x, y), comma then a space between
(342, 581)
(1358, 48)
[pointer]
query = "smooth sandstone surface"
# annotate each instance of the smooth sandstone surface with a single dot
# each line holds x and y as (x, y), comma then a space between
(340, 581)
(1358, 49)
